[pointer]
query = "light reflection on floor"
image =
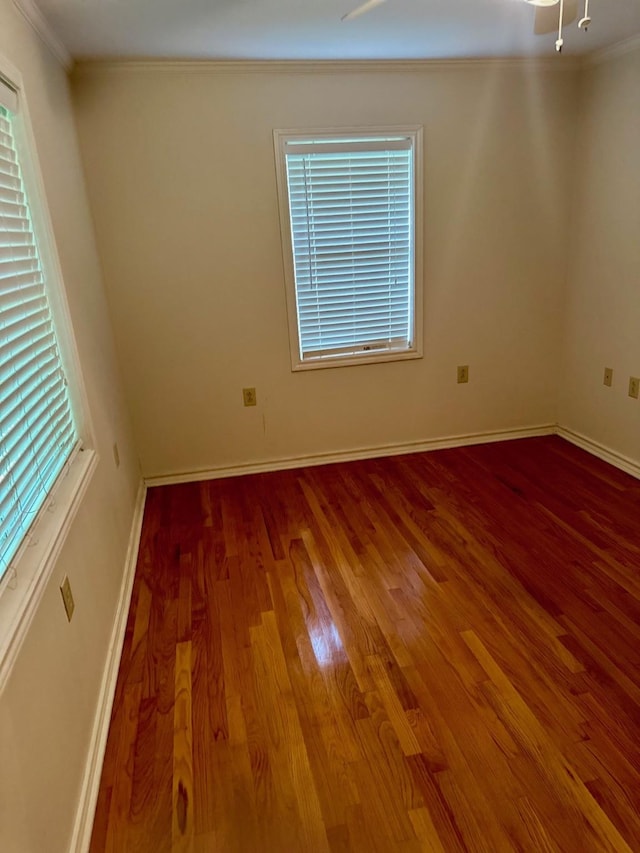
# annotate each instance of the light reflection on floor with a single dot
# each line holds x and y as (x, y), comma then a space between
(325, 642)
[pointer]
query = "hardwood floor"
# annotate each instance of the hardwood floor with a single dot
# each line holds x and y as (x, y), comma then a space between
(435, 652)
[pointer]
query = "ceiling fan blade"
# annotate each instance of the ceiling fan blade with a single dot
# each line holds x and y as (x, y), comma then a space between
(546, 20)
(362, 9)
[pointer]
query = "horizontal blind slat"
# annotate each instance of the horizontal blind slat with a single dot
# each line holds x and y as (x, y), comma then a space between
(19, 285)
(10, 256)
(374, 329)
(327, 280)
(321, 148)
(30, 421)
(353, 349)
(371, 297)
(20, 488)
(26, 452)
(29, 351)
(22, 376)
(15, 412)
(12, 195)
(23, 314)
(23, 348)
(342, 318)
(21, 502)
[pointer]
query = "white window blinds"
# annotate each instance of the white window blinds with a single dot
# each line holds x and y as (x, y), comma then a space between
(351, 206)
(37, 432)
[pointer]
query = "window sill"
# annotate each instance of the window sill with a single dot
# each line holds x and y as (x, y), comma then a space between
(19, 599)
(352, 360)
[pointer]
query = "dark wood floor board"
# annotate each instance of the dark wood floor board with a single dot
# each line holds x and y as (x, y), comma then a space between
(431, 652)
(545, 758)
(534, 669)
(122, 783)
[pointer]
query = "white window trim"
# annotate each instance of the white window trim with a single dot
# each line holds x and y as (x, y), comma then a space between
(280, 138)
(25, 582)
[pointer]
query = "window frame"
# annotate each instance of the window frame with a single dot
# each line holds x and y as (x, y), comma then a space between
(280, 138)
(23, 585)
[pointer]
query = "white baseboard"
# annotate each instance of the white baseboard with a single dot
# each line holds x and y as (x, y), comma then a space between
(618, 460)
(398, 449)
(81, 836)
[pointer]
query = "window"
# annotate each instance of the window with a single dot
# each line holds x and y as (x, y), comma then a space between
(42, 467)
(350, 209)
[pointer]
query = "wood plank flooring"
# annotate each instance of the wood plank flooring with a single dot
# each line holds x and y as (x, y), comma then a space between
(434, 652)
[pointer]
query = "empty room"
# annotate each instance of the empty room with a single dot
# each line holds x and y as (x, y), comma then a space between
(319, 426)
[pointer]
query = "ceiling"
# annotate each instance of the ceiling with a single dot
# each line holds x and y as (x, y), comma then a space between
(312, 29)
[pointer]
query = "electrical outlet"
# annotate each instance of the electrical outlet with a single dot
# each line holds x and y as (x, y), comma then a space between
(634, 387)
(249, 396)
(608, 376)
(67, 598)
(116, 455)
(463, 373)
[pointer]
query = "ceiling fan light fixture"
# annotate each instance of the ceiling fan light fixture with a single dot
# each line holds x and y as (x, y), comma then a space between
(584, 22)
(367, 6)
(567, 13)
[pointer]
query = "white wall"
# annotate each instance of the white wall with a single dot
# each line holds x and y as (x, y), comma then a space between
(603, 303)
(180, 171)
(47, 707)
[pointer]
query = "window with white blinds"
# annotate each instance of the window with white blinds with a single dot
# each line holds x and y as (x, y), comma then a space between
(349, 214)
(37, 431)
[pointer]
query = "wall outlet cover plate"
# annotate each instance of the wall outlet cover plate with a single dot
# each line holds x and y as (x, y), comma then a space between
(67, 598)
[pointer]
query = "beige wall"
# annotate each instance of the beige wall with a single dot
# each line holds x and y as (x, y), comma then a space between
(603, 305)
(180, 171)
(47, 707)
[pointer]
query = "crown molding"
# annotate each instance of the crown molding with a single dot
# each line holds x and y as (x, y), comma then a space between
(329, 66)
(606, 54)
(32, 14)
